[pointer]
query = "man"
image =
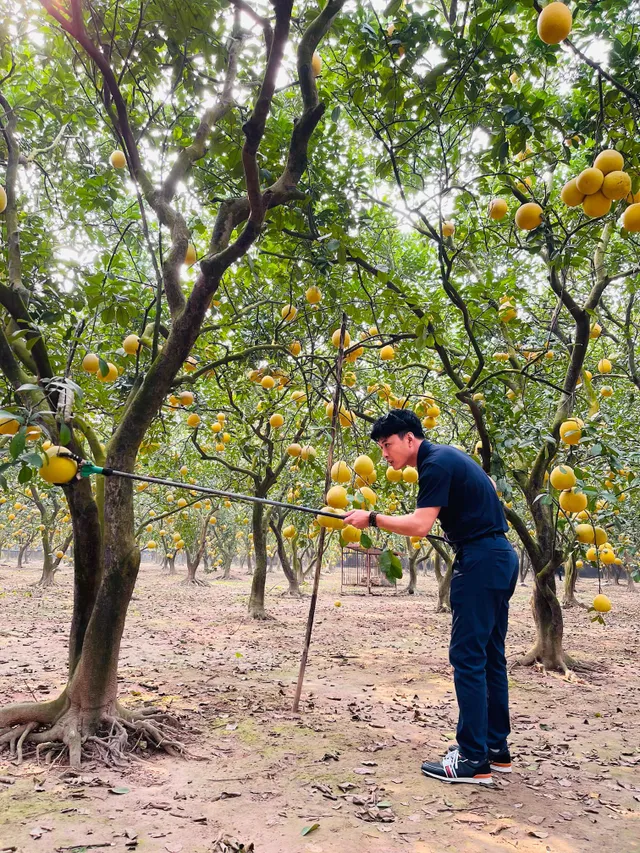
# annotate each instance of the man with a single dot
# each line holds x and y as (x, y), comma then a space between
(455, 490)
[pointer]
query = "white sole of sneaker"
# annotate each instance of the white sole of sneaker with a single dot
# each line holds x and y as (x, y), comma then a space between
(501, 768)
(476, 780)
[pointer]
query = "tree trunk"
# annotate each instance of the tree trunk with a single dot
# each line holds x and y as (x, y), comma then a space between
(547, 650)
(256, 601)
(444, 583)
(22, 559)
(48, 570)
(570, 578)
(289, 573)
(249, 562)
(413, 567)
(524, 566)
(631, 585)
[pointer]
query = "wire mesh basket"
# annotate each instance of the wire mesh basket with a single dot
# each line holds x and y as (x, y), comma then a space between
(360, 571)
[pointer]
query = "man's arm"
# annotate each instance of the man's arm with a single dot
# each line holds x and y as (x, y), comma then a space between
(417, 523)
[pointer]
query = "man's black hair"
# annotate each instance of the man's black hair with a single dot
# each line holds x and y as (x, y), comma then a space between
(398, 422)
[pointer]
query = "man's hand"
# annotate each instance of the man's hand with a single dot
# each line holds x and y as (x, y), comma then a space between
(358, 518)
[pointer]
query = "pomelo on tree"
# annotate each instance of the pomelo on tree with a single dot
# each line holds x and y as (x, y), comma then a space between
(268, 382)
(340, 472)
(410, 474)
(604, 366)
(335, 338)
(316, 64)
(571, 195)
(313, 295)
(572, 501)
(185, 398)
(337, 497)
(529, 216)
(3, 199)
(289, 313)
(562, 477)
(554, 23)
(609, 161)
(276, 420)
(295, 348)
(601, 603)
(448, 228)
(616, 185)
(118, 160)
(193, 420)
(294, 450)
(589, 180)
(631, 218)
(190, 255)
(570, 432)
(387, 353)
(90, 363)
(112, 373)
(351, 534)
(364, 466)
(335, 523)
(58, 467)
(8, 426)
(131, 344)
(594, 334)
(596, 205)
(497, 209)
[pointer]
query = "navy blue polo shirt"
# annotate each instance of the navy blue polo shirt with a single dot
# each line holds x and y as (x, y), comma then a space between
(450, 479)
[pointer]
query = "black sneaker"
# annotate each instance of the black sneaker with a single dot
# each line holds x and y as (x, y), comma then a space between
(500, 760)
(454, 767)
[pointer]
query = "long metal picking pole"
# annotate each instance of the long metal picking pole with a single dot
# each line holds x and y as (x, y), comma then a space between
(90, 468)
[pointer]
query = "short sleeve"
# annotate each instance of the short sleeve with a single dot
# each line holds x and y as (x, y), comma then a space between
(434, 486)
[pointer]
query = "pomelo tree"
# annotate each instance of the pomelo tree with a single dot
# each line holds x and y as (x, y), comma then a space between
(166, 115)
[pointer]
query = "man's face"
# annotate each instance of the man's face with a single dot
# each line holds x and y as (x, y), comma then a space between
(398, 451)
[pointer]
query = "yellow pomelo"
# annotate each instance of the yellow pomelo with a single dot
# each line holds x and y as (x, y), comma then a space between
(604, 365)
(57, 466)
(570, 432)
(606, 391)
(289, 531)
(609, 161)
(268, 382)
(579, 564)
(572, 501)
(335, 523)
(594, 333)
(335, 338)
(387, 353)
(337, 497)
(308, 452)
(596, 205)
(298, 397)
(616, 185)
(601, 603)
(351, 534)
(131, 344)
(3, 199)
(8, 426)
(607, 556)
(289, 313)
(112, 373)
(190, 255)
(529, 216)
(364, 466)
(497, 209)
(589, 180)
(276, 420)
(554, 23)
(410, 475)
(393, 475)
(90, 362)
(633, 198)
(118, 160)
(313, 295)
(369, 495)
(295, 348)
(294, 449)
(181, 502)
(316, 64)
(448, 228)
(571, 195)
(186, 398)
(193, 420)
(631, 218)
(562, 478)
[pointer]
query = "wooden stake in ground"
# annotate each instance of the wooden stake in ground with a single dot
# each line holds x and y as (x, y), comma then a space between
(337, 395)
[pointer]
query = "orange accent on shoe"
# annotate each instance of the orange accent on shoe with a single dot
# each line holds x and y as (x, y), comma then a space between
(482, 776)
(497, 764)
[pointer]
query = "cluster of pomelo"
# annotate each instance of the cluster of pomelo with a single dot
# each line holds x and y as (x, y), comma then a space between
(597, 187)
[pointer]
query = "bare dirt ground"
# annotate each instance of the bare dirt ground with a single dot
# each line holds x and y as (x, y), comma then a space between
(378, 699)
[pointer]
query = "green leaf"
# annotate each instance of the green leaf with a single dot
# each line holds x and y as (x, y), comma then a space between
(65, 434)
(17, 444)
(390, 565)
(24, 475)
(309, 829)
(29, 386)
(103, 367)
(335, 113)
(365, 541)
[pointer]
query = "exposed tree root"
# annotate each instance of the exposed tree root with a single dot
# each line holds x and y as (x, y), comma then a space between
(573, 602)
(109, 738)
(561, 662)
(195, 581)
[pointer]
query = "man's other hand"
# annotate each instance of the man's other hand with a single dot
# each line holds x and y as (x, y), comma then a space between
(358, 518)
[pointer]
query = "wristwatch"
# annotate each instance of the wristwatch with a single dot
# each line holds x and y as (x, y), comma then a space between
(372, 519)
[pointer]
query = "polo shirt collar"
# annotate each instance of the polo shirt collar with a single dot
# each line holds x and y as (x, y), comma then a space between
(423, 451)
